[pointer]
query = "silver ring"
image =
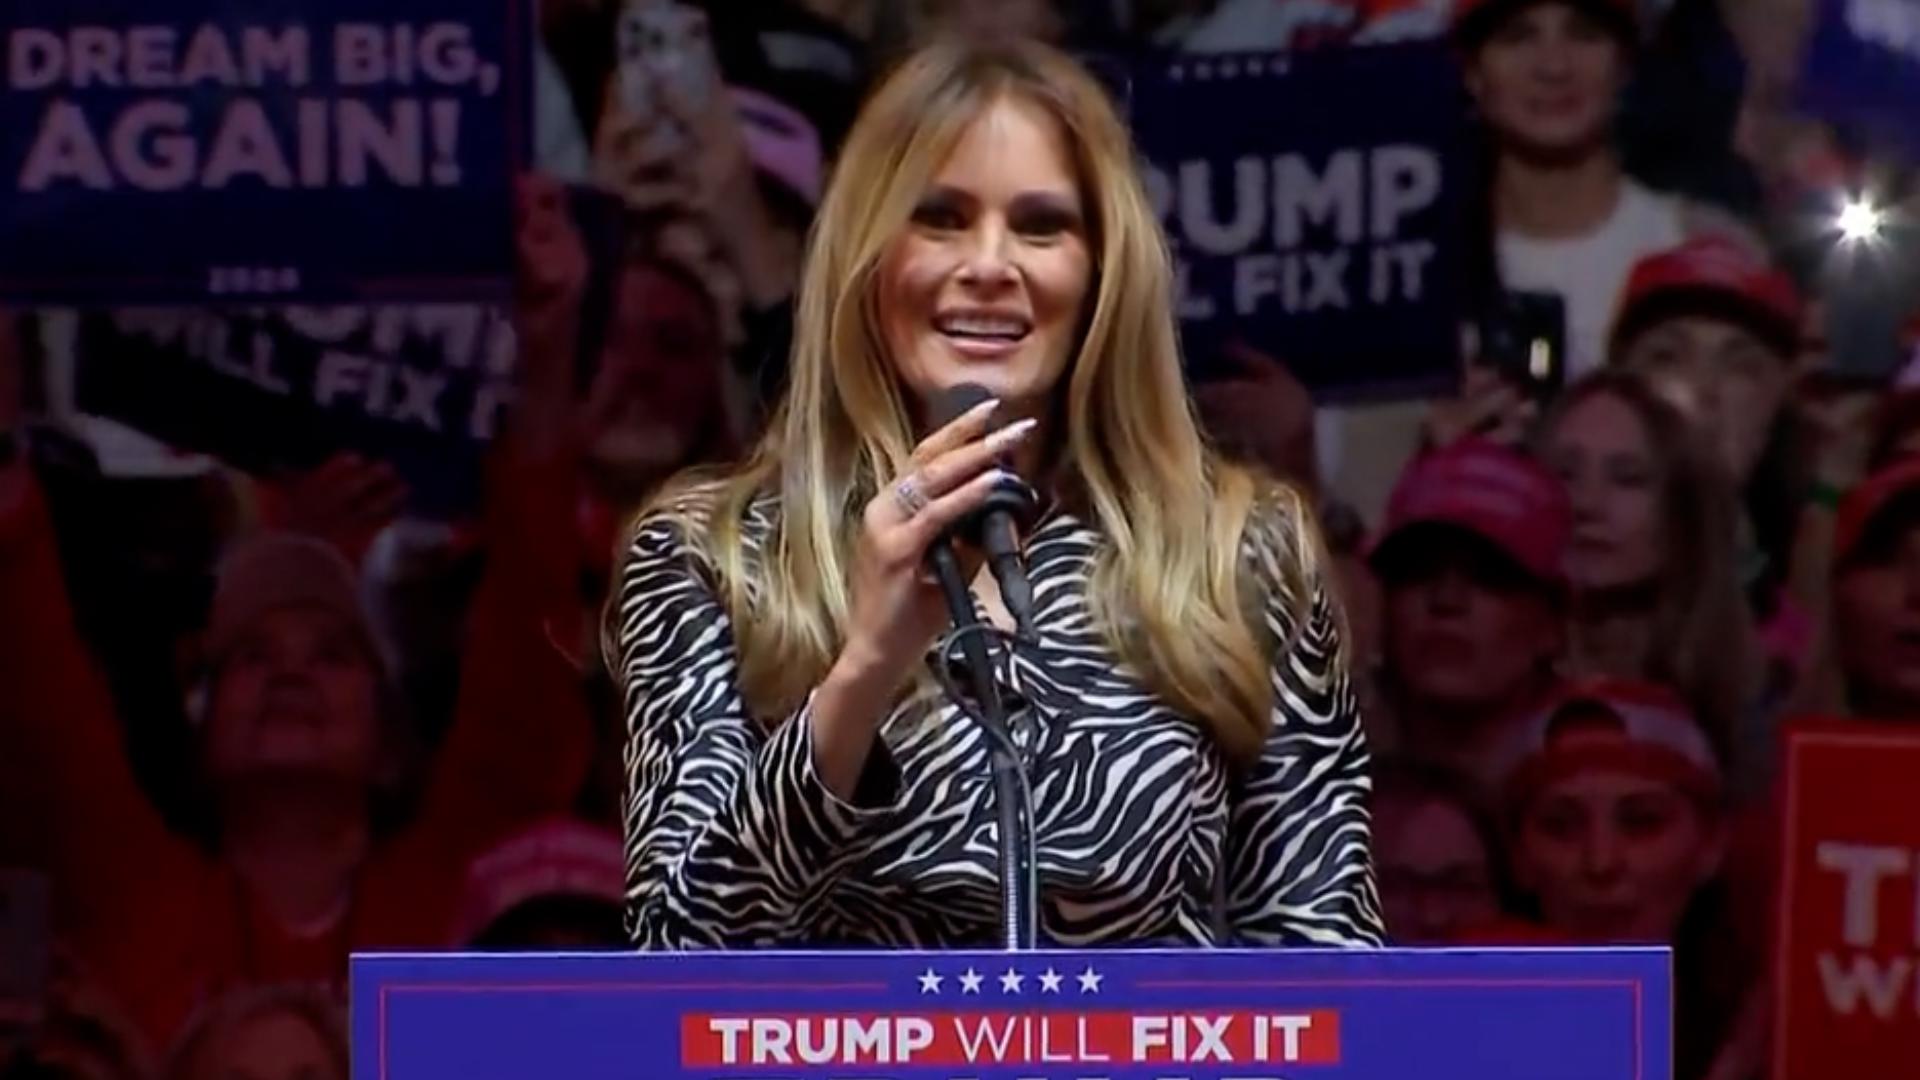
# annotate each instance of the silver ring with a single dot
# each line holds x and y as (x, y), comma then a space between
(907, 493)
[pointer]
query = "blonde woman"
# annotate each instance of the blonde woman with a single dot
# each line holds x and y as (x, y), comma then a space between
(1197, 762)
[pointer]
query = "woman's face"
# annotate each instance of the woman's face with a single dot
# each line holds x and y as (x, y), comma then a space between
(279, 1045)
(1466, 630)
(657, 394)
(1721, 377)
(1601, 452)
(1877, 622)
(1436, 876)
(1547, 81)
(1614, 857)
(298, 692)
(989, 280)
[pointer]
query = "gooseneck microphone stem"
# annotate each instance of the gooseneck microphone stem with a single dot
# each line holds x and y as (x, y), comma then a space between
(1018, 893)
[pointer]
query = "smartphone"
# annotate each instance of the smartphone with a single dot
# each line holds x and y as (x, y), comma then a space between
(664, 44)
(1524, 338)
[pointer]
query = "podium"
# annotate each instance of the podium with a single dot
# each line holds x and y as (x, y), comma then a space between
(1267, 1014)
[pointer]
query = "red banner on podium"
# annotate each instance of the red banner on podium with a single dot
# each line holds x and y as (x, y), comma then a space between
(1848, 963)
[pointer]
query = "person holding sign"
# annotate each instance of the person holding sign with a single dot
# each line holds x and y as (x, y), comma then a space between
(1196, 755)
(322, 839)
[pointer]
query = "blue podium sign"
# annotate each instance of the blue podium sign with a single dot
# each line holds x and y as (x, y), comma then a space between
(1148, 1015)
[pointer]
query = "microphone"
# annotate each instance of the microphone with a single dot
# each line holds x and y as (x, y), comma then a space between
(995, 526)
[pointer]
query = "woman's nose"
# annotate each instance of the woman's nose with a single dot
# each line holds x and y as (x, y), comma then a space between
(987, 261)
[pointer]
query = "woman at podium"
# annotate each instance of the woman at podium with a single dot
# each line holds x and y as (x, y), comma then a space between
(797, 774)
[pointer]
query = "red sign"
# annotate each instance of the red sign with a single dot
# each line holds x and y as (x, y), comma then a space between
(1848, 967)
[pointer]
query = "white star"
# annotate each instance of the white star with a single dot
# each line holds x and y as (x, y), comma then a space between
(970, 981)
(1090, 980)
(1010, 982)
(929, 982)
(1049, 981)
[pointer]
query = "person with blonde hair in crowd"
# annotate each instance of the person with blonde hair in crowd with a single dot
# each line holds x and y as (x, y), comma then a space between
(1655, 588)
(1197, 761)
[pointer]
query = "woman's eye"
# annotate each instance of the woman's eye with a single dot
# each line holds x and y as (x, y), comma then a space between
(938, 216)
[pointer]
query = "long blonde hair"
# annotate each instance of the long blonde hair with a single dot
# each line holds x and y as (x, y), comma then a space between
(1170, 587)
(1704, 643)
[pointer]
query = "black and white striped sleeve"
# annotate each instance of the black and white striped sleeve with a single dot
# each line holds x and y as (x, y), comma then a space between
(729, 829)
(1299, 854)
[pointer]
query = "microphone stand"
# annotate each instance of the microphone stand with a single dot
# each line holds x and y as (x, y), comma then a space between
(1013, 799)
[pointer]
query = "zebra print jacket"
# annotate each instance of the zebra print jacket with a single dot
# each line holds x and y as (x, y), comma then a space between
(1146, 836)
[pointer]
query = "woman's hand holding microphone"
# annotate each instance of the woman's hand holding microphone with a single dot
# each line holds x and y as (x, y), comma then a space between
(898, 609)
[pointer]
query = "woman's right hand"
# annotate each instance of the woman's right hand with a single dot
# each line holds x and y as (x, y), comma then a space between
(1488, 407)
(898, 607)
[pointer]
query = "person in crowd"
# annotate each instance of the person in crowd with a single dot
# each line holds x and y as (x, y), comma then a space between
(557, 885)
(1471, 560)
(322, 839)
(721, 178)
(1439, 853)
(265, 1033)
(1618, 823)
(986, 225)
(1876, 602)
(1716, 330)
(1655, 586)
(1563, 218)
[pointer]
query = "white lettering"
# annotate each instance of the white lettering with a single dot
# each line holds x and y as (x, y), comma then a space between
(1300, 198)
(1881, 985)
(151, 152)
(1406, 179)
(1864, 866)
(36, 59)
(65, 150)
(729, 1031)
(1149, 1034)
(340, 374)
(984, 1034)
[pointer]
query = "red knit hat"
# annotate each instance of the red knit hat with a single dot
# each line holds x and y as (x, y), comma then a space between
(1716, 275)
(1618, 725)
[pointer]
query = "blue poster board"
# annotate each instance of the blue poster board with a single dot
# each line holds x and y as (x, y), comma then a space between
(1160, 1014)
(191, 151)
(1862, 69)
(1316, 208)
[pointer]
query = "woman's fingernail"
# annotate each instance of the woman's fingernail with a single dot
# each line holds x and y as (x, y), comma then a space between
(1014, 432)
(984, 408)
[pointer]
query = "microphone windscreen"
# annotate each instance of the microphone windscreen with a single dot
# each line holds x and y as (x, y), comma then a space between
(954, 401)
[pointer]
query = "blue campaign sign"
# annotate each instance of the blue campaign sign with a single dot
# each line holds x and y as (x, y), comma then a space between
(1862, 68)
(1314, 203)
(1146, 1015)
(182, 151)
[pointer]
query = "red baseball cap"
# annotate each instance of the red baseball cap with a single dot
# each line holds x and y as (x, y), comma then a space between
(555, 857)
(1474, 20)
(1498, 494)
(1617, 725)
(1712, 275)
(1864, 504)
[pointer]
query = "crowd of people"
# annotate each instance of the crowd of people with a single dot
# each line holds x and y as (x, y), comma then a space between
(254, 720)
